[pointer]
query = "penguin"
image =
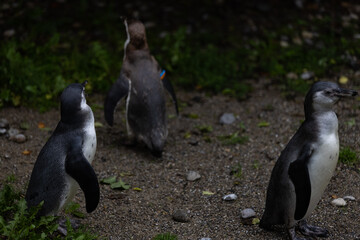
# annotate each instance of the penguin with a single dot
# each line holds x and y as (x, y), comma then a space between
(306, 165)
(64, 162)
(142, 81)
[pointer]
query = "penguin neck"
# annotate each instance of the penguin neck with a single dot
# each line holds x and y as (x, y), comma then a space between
(326, 121)
(75, 120)
(137, 54)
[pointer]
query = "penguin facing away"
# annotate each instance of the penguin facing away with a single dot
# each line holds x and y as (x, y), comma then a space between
(64, 162)
(142, 82)
(306, 165)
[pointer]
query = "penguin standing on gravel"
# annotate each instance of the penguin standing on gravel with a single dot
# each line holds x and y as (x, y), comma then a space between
(64, 162)
(306, 165)
(143, 82)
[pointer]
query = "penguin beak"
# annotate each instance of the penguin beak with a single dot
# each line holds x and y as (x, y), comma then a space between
(84, 83)
(345, 93)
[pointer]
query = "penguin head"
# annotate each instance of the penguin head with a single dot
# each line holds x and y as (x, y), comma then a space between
(323, 96)
(73, 102)
(136, 36)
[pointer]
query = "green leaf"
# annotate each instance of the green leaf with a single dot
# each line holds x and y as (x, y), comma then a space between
(192, 116)
(72, 209)
(24, 125)
(263, 124)
(108, 180)
(205, 128)
(207, 193)
(120, 185)
(255, 221)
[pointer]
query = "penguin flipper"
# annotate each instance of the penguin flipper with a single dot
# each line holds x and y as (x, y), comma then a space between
(168, 86)
(299, 175)
(80, 169)
(118, 90)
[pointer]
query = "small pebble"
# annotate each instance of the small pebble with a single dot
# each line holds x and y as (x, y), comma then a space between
(193, 142)
(307, 75)
(9, 33)
(339, 202)
(227, 118)
(291, 75)
(230, 197)
(248, 213)
(20, 138)
(12, 132)
(6, 156)
(350, 198)
(4, 123)
(193, 176)
(180, 216)
(205, 238)
(2, 131)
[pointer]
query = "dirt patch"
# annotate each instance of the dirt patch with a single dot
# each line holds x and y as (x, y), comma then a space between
(142, 214)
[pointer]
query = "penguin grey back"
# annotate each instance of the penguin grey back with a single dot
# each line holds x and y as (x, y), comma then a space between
(146, 106)
(140, 80)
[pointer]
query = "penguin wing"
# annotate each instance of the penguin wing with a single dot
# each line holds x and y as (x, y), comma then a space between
(299, 175)
(118, 90)
(77, 166)
(168, 86)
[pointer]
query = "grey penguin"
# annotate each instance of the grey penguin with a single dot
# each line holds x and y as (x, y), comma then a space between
(306, 165)
(142, 82)
(64, 162)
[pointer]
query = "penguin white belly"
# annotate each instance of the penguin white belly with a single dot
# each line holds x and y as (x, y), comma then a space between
(89, 145)
(70, 191)
(321, 168)
(88, 149)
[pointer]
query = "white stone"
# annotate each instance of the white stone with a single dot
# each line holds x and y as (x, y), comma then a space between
(227, 118)
(307, 75)
(339, 202)
(350, 198)
(9, 33)
(248, 213)
(193, 176)
(230, 197)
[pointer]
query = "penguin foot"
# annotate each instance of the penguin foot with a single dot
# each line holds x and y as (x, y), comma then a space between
(62, 229)
(312, 231)
(292, 235)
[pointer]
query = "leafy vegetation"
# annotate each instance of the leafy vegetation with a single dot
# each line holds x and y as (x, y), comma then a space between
(73, 209)
(41, 59)
(348, 156)
(233, 139)
(236, 171)
(19, 222)
(115, 184)
(165, 236)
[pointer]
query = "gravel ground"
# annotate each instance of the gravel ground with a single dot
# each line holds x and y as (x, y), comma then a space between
(131, 214)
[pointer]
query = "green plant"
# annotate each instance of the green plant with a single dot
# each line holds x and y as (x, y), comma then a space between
(73, 209)
(236, 171)
(19, 222)
(165, 236)
(233, 139)
(115, 184)
(348, 156)
(205, 128)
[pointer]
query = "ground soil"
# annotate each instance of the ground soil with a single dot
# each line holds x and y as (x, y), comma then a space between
(131, 214)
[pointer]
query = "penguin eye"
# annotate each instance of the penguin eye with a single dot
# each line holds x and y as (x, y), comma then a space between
(328, 92)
